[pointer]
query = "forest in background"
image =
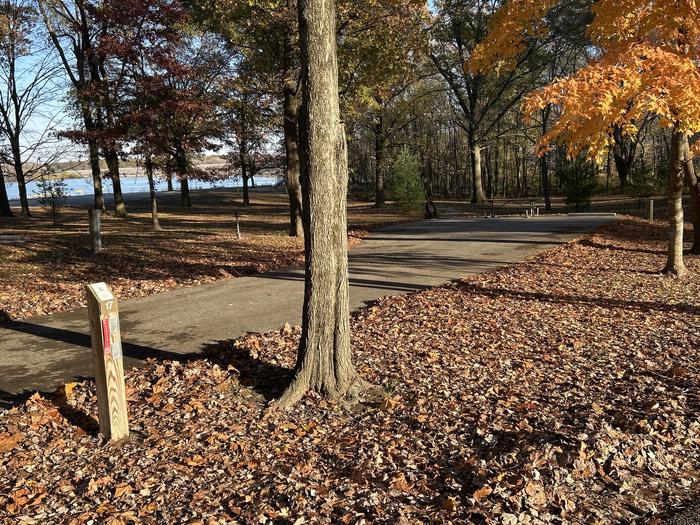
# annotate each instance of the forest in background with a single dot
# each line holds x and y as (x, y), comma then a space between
(221, 78)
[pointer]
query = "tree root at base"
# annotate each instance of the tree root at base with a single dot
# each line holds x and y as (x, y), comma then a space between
(354, 392)
(674, 271)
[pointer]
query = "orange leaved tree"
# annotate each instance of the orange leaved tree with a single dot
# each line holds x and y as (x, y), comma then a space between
(647, 63)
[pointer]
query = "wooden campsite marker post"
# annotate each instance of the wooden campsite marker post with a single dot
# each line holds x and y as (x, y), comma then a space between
(650, 209)
(107, 355)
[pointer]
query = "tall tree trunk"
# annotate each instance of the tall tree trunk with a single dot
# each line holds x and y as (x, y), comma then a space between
(152, 190)
(675, 264)
(112, 160)
(324, 361)
(5, 210)
(19, 175)
(475, 155)
(544, 162)
(544, 172)
(182, 170)
(246, 192)
(244, 176)
(98, 72)
(624, 149)
(291, 133)
(692, 181)
(169, 181)
(496, 170)
(94, 156)
(489, 173)
(379, 197)
(622, 168)
(23, 200)
(516, 157)
(93, 152)
(505, 171)
(296, 223)
(185, 200)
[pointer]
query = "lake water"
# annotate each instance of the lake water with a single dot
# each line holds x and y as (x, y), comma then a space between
(133, 184)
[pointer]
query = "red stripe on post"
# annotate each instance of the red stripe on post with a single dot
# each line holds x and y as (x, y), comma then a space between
(106, 336)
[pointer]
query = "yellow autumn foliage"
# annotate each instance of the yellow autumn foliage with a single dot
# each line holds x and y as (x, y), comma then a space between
(648, 63)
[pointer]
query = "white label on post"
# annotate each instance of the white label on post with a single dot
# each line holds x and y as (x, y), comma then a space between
(102, 291)
(116, 336)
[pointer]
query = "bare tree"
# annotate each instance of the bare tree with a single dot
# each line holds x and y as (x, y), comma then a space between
(75, 37)
(250, 116)
(28, 75)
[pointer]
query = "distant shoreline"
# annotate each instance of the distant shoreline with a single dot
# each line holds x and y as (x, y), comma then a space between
(86, 173)
(87, 198)
(134, 181)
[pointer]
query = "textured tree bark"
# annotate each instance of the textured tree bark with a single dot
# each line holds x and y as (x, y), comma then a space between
(291, 146)
(23, 201)
(523, 172)
(185, 200)
(5, 210)
(94, 156)
(291, 131)
(324, 362)
(624, 149)
(544, 163)
(296, 222)
(477, 186)
(380, 197)
(181, 163)
(674, 264)
(21, 182)
(692, 181)
(622, 168)
(246, 195)
(152, 190)
(488, 167)
(244, 174)
(113, 166)
(496, 170)
(544, 172)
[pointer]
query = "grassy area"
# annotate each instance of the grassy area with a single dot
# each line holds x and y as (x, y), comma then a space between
(46, 269)
(560, 390)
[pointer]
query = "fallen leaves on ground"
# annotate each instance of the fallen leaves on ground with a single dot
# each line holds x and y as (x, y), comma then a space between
(564, 389)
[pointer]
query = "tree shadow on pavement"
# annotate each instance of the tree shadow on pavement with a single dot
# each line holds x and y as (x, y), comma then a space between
(134, 355)
(130, 350)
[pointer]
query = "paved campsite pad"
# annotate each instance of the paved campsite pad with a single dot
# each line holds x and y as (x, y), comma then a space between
(41, 353)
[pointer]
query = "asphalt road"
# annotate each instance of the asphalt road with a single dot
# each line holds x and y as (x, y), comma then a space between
(44, 352)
